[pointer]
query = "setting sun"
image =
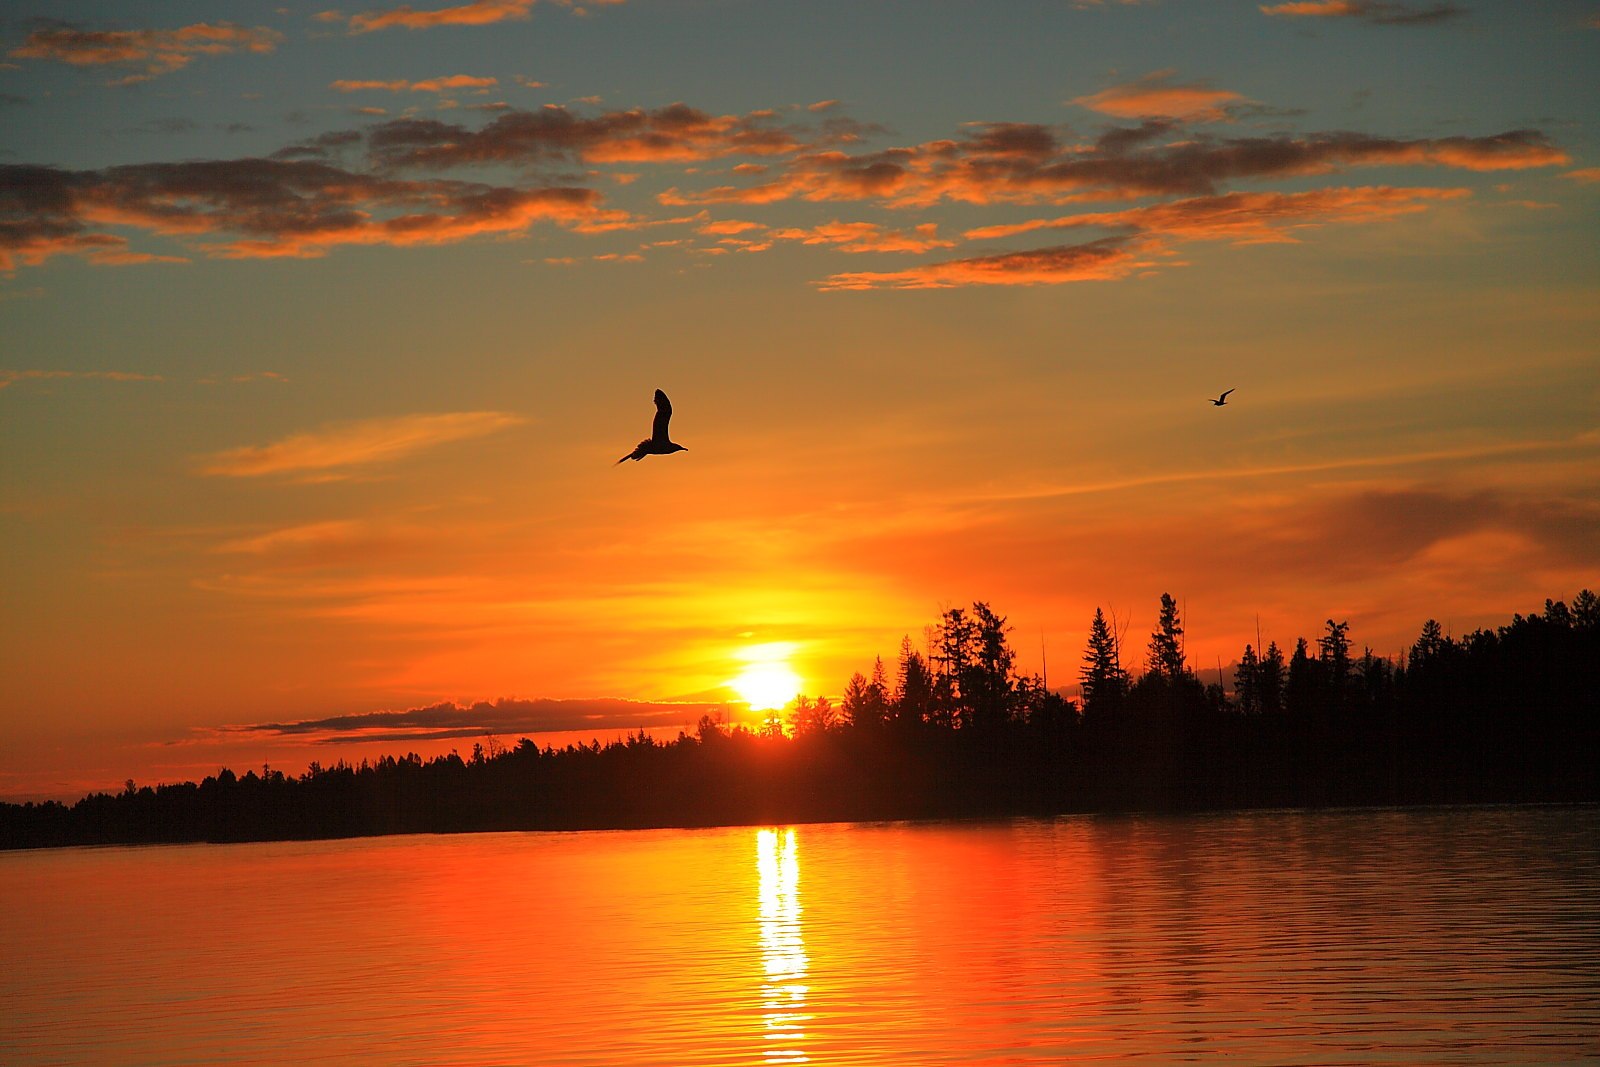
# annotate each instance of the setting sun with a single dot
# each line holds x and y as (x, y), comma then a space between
(768, 681)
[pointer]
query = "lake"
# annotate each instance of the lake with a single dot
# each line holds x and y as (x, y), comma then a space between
(1460, 935)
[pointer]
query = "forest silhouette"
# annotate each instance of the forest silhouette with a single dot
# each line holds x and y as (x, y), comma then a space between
(1501, 715)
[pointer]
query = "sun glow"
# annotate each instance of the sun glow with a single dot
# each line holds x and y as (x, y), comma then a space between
(768, 681)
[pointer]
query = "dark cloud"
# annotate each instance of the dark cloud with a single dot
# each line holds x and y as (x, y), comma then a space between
(1015, 165)
(1244, 218)
(155, 51)
(677, 133)
(1102, 260)
(1378, 12)
(320, 147)
(513, 717)
(261, 207)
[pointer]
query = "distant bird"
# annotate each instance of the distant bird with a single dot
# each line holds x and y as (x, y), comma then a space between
(657, 443)
(1221, 400)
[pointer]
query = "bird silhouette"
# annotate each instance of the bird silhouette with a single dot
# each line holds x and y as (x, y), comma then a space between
(1221, 400)
(657, 443)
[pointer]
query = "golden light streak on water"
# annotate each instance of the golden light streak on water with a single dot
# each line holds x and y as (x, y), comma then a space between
(783, 948)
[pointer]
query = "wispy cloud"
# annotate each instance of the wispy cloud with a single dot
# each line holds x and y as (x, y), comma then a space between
(1021, 163)
(11, 377)
(1380, 12)
(1103, 260)
(261, 208)
(1157, 95)
(853, 237)
(156, 51)
(1246, 218)
(427, 85)
(328, 452)
(476, 13)
(1243, 218)
(675, 133)
(502, 717)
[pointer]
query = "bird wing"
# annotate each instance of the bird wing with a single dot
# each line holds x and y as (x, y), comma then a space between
(658, 429)
(1224, 396)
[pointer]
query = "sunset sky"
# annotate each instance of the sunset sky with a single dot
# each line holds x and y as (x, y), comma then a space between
(321, 332)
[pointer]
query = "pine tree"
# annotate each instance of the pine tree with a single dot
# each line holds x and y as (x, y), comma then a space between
(1270, 680)
(1247, 682)
(913, 702)
(1586, 610)
(1429, 644)
(1101, 677)
(855, 705)
(1166, 647)
(987, 686)
(1302, 683)
(1333, 651)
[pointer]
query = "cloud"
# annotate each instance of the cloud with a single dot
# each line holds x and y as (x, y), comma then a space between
(476, 13)
(1102, 260)
(328, 544)
(1380, 12)
(729, 227)
(11, 377)
(1588, 175)
(1244, 218)
(1158, 96)
(675, 133)
(356, 444)
(509, 717)
(1021, 163)
(157, 51)
(430, 85)
(864, 237)
(262, 208)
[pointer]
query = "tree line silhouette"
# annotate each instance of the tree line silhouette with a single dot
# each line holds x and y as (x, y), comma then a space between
(1510, 714)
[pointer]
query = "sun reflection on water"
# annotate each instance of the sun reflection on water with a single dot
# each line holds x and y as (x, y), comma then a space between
(783, 949)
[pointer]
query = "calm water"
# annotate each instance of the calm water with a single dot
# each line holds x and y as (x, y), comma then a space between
(1436, 936)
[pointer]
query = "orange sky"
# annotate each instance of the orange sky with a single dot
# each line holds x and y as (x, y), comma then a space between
(321, 337)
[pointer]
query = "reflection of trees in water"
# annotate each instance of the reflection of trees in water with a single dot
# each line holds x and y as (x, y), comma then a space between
(783, 949)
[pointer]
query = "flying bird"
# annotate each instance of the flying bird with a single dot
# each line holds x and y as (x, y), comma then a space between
(657, 443)
(1221, 400)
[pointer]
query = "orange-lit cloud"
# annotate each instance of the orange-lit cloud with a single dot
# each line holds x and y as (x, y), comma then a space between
(1158, 96)
(356, 444)
(158, 51)
(298, 203)
(729, 227)
(1381, 12)
(429, 85)
(865, 237)
(266, 208)
(1103, 260)
(476, 13)
(1243, 217)
(1588, 175)
(322, 544)
(1018, 163)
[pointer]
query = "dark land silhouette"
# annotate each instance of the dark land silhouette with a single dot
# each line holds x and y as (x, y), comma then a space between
(1504, 715)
